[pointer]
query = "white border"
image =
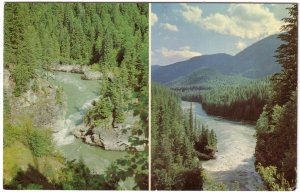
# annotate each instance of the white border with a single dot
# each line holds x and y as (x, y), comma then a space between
(149, 105)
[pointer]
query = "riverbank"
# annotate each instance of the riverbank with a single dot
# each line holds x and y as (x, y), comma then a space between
(86, 71)
(221, 117)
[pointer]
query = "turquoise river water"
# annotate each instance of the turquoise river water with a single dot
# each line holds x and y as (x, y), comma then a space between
(79, 94)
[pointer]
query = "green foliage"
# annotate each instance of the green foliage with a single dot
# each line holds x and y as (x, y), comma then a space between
(174, 159)
(274, 180)
(75, 175)
(59, 95)
(205, 141)
(285, 83)
(95, 67)
(34, 187)
(39, 35)
(17, 132)
(35, 86)
(276, 147)
(134, 165)
(238, 101)
(22, 75)
(40, 142)
(105, 108)
(119, 115)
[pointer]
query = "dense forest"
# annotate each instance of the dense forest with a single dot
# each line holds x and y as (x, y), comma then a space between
(179, 140)
(40, 35)
(276, 148)
(236, 101)
(243, 102)
(108, 37)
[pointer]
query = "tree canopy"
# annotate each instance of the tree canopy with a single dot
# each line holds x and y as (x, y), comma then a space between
(276, 148)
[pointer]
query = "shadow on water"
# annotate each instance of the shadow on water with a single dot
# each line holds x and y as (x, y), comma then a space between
(242, 178)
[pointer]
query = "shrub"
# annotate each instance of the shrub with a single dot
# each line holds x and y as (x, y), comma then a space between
(273, 180)
(59, 96)
(40, 142)
(35, 86)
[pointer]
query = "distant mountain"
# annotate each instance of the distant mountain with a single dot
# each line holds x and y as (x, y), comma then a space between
(170, 72)
(256, 61)
(155, 67)
(207, 78)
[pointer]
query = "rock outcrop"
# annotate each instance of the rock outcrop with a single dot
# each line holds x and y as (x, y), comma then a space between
(115, 139)
(70, 68)
(88, 74)
(207, 154)
(40, 105)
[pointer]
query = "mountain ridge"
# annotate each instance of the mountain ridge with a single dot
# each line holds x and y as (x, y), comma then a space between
(256, 61)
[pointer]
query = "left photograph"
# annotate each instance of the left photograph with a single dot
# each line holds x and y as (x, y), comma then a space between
(75, 96)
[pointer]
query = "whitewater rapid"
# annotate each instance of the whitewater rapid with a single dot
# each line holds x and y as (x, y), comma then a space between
(235, 157)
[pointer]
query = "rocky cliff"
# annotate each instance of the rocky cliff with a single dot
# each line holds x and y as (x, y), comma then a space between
(43, 103)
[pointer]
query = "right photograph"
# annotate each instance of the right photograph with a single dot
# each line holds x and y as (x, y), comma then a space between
(224, 96)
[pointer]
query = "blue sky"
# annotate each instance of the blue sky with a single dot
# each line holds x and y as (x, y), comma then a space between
(184, 30)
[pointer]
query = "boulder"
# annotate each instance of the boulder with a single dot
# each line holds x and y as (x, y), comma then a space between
(87, 139)
(97, 140)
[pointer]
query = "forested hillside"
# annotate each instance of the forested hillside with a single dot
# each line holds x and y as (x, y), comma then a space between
(39, 35)
(179, 140)
(276, 147)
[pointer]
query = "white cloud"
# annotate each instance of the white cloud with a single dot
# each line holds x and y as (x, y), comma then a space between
(241, 20)
(168, 56)
(154, 18)
(191, 13)
(182, 53)
(240, 45)
(169, 27)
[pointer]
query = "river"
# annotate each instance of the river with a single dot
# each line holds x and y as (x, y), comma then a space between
(79, 94)
(235, 156)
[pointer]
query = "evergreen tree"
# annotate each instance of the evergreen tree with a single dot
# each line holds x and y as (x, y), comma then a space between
(277, 125)
(287, 56)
